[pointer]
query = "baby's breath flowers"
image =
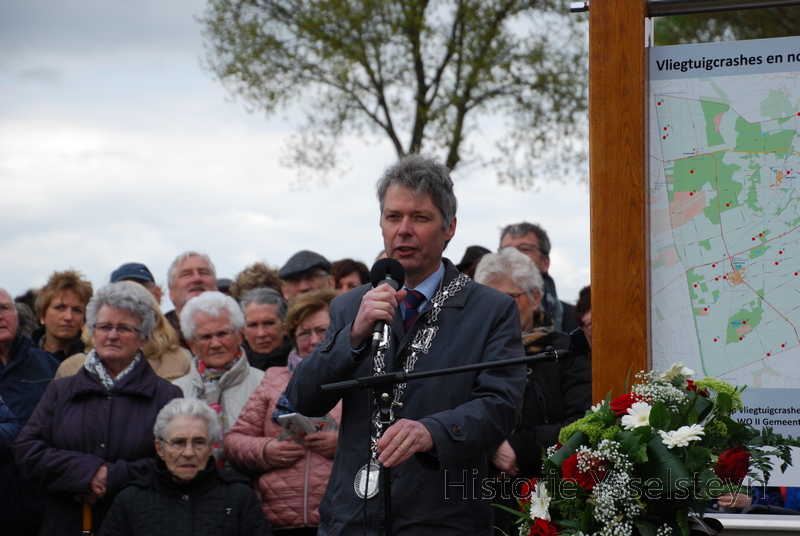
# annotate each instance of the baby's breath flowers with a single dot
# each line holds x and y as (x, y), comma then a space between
(641, 462)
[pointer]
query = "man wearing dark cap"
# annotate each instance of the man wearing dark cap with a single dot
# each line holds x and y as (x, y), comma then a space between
(138, 272)
(303, 272)
(471, 259)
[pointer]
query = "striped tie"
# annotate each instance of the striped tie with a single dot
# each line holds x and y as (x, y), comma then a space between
(412, 301)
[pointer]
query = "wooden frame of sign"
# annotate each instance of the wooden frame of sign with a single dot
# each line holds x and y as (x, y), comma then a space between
(617, 186)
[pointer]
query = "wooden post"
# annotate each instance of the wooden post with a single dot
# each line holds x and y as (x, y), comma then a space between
(617, 186)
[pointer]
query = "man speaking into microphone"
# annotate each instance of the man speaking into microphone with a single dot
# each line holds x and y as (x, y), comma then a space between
(445, 427)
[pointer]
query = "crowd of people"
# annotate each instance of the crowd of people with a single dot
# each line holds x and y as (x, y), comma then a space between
(120, 419)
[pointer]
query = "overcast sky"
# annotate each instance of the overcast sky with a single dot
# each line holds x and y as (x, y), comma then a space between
(117, 146)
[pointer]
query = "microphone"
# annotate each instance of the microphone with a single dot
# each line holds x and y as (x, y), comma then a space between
(389, 271)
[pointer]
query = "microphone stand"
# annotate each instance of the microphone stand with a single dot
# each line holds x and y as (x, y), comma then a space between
(391, 378)
(384, 400)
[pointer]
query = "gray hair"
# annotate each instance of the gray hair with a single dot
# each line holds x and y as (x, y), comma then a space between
(422, 174)
(266, 296)
(518, 230)
(126, 296)
(7, 293)
(511, 264)
(173, 268)
(188, 407)
(212, 303)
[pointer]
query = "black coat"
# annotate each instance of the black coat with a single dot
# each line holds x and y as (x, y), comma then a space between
(215, 502)
(78, 426)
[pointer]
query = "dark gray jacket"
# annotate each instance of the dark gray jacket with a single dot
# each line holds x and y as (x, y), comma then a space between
(468, 414)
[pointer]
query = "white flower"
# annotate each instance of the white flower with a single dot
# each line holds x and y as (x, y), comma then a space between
(597, 407)
(675, 370)
(682, 436)
(638, 415)
(540, 502)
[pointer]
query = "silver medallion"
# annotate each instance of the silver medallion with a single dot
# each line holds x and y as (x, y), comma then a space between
(367, 480)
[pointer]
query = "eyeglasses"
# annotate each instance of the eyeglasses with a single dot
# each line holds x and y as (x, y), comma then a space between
(515, 295)
(306, 334)
(308, 277)
(527, 249)
(221, 335)
(122, 330)
(179, 445)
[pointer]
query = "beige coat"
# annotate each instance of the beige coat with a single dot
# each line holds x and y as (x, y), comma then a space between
(170, 365)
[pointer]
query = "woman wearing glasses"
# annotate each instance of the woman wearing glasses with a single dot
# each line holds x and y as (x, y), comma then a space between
(187, 493)
(91, 433)
(220, 373)
(292, 477)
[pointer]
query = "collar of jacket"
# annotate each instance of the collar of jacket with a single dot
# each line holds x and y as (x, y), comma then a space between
(234, 376)
(141, 381)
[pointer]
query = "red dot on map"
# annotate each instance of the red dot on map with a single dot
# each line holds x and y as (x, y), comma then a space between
(660, 105)
(715, 340)
(705, 308)
(783, 346)
(727, 204)
(754, 239)
(768, 354)
(780, 252)
(760, 234)
(797, 273)
(776, 263)
(716, 279)
(713, 265)
(724, 277)
(741, 338)
(691, 171)
(665, 128)
(695, 285)
(744, 321)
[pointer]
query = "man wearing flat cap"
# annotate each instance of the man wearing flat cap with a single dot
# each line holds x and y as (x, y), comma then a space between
(138, 272)
(303, 272)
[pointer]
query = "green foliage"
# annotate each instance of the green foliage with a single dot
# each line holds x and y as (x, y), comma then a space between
(688, 452)
(424, 74)
(727, 26)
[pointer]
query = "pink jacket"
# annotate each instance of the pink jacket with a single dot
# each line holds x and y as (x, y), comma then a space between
(290, 496)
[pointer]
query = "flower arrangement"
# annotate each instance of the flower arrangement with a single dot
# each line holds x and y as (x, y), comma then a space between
(643, 462)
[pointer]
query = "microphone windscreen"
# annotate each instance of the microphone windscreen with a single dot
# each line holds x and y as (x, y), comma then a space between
(388, 270)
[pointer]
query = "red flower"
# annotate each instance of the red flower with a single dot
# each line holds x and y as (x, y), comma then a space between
(542, 527)
(621, 404)
(526, 490)
(585, 479)
(732, 465)
(690, 386)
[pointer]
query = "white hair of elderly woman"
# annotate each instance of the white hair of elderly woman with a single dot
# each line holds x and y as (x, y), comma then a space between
(211, 303)
(511, 264)
(126, 296)
(189, 407)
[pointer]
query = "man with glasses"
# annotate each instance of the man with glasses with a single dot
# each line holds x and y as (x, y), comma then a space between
(533, 241)
(220, 374)
(303, 272)
(25, 373)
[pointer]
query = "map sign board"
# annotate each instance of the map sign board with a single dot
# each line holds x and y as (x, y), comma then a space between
(724, 218)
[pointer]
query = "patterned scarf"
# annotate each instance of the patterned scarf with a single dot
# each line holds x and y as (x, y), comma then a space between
(213, 397)
(543, 326)
(97, 369)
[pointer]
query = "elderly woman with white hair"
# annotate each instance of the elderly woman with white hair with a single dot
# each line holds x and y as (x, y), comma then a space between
(187, 493)
(91, 433)
(220, 374)
(556, 393)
